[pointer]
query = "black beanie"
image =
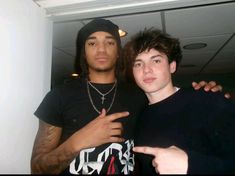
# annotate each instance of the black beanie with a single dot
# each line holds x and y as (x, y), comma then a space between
(98, 25)
(95, 25)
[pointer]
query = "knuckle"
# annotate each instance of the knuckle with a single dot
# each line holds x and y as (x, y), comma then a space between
(202, 83)
(145, 149)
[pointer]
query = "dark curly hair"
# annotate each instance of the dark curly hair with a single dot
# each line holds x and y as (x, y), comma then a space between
(150, 39)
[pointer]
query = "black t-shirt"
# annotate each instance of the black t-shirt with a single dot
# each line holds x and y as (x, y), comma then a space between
(201, 123)
(68, 106)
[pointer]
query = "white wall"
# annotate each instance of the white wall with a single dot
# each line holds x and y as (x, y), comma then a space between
(25, 69)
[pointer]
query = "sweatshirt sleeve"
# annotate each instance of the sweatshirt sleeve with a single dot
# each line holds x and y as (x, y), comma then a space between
(221, 134)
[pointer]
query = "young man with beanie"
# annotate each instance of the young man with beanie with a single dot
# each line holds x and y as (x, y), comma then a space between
(86, 126)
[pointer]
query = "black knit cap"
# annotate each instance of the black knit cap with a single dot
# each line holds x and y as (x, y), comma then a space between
(95, 25)
(98, 25)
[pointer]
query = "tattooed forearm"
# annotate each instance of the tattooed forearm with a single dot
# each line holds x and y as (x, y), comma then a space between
(47, 156)
(52, 163)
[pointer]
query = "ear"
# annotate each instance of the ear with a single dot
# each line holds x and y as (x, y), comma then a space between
(173, 67)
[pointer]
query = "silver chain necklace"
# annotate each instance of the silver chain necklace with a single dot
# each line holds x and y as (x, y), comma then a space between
(102, 94)
(92, 103)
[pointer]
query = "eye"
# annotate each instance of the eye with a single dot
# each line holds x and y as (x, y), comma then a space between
(91, 43)
(137, 65)
(111, 42)
(157, 61)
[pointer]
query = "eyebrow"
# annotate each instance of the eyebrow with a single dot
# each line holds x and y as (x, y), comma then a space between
(152, 57)
(94, 37)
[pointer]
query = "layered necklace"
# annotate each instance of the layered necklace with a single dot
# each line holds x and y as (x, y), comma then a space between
(89, 84)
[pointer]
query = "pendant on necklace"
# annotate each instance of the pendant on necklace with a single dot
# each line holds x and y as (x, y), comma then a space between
(102, 99)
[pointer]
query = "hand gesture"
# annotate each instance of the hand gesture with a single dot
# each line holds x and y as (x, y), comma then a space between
(170, 160)
(101, 130)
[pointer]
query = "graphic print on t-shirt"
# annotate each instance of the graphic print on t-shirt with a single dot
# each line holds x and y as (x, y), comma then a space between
(115, 158)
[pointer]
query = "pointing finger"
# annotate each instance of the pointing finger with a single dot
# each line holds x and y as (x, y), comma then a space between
(118, 115)
(146, 150)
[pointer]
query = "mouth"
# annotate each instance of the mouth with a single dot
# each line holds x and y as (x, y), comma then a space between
(102, 59)
(149, 80)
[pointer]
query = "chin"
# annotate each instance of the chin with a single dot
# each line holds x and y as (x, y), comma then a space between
(104, 69)
(146, 90)
(149, 90)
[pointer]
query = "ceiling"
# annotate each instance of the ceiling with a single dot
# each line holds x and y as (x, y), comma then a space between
(192, 21)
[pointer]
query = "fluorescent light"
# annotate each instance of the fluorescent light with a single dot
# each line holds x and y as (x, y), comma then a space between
(193, 46)
(75, 75)
(56, 3)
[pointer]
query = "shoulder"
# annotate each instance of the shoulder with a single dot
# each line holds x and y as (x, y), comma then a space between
(65, 92)
(131, 90)
(73, 85)
(130, 87)
(208, 97)
(131, 94)
(201, 93)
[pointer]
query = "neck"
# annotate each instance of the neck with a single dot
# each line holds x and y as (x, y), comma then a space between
(102, 77)
(161, 94)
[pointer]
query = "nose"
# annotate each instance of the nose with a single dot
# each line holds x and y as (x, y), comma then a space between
(147, 68)
(101, 47)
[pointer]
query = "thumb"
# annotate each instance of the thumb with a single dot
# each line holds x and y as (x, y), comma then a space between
(146, 150)
(102, 113)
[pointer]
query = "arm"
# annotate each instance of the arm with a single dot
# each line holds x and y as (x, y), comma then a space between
(218, 154)
(47, 156)
(209, 86)
(220, 131)
(173, 160)
(50, 157)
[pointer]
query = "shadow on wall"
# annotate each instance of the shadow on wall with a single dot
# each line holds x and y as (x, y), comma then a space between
(227, 81)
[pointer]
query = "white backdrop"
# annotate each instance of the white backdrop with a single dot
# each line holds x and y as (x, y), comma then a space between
(25, 70)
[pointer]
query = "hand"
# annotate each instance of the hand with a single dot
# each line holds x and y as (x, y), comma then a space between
(211, 86)
(101, 130)
(170, 160)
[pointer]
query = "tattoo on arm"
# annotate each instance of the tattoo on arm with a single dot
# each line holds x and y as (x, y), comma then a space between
(48, 156)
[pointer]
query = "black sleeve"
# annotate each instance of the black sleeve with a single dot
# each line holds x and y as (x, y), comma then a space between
(221, 133)
(50, 109)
